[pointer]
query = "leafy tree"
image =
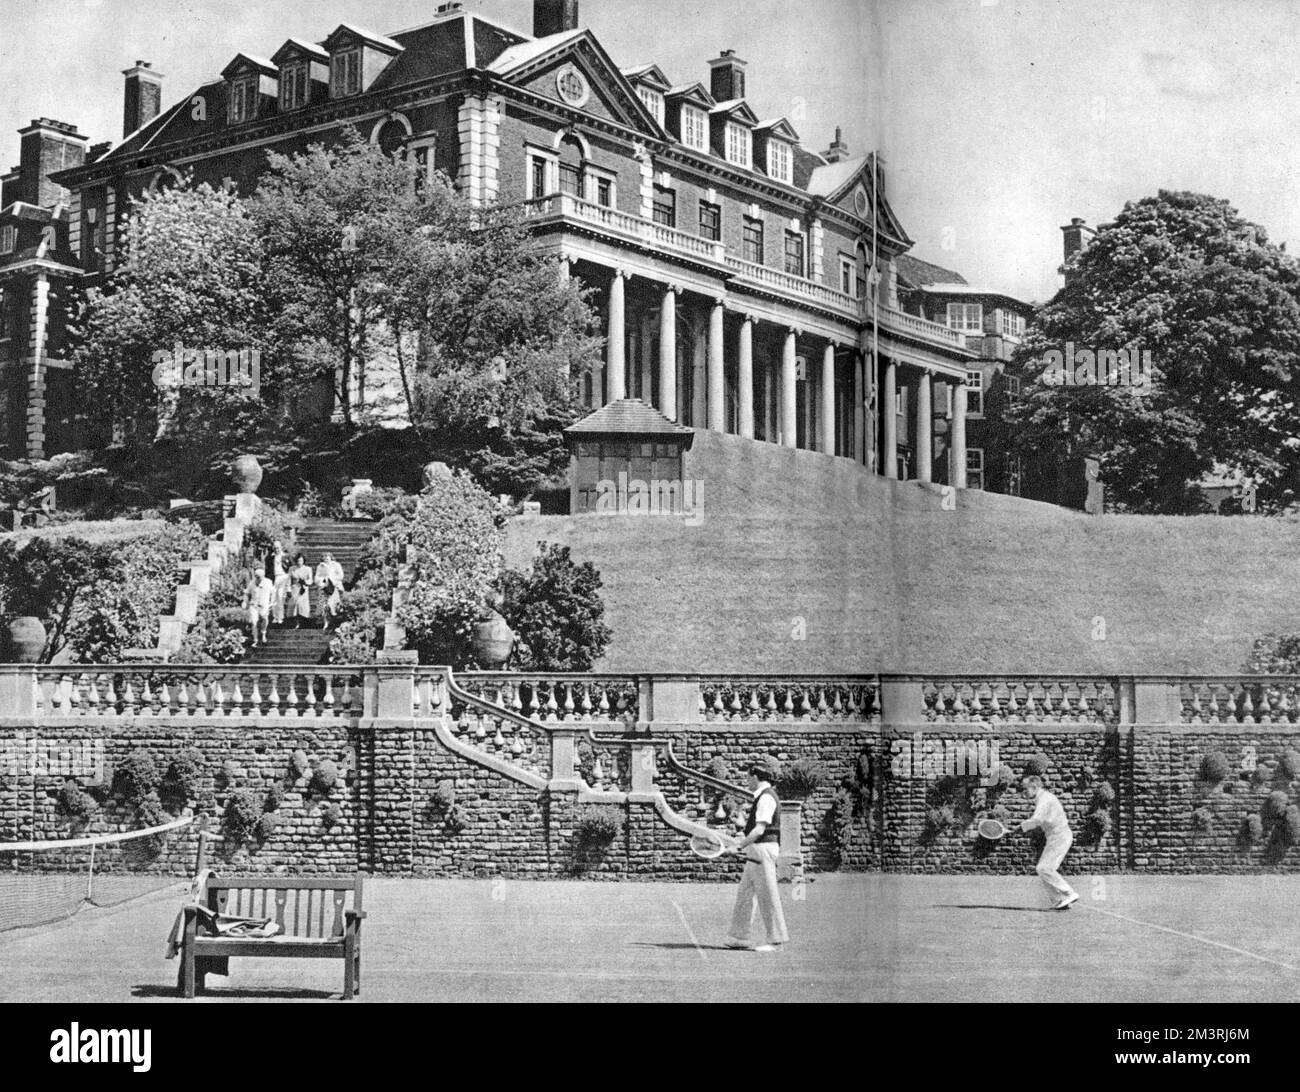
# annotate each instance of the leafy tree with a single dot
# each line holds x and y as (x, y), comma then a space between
(556, 612)
(1184, 276)
(50, 578)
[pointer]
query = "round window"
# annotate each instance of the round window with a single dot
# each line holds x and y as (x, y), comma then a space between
(572, 86)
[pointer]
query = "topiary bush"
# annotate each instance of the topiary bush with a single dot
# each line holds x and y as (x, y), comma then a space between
(1103, 795)
(298, 763)
(324, 777)
(798, 780)
(1289, 765)
(331, 815)
(75, 803)
(264, 826)
(242, 811)
(1290, 827)
(718, 768)
(137, 777)
(1202, 820)
(1215, 768)
(1096, 825)
(274, 798)
(1252, 830)
(1004, 777)
(1275, 806)
(183, 781)
(1262, 774)
(596, 829)
(556, 612)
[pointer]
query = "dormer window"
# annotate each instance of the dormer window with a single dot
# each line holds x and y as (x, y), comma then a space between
(345, 72)
(295, 85)
(244, 95)
(738, 144)
(695, 128)
(654, 101)
(780, 163)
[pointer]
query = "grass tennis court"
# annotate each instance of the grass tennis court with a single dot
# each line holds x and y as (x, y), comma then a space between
(853, 938)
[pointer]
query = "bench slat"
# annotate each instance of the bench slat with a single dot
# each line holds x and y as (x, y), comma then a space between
(288, 883)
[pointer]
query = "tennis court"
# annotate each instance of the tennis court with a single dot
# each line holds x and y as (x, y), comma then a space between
(853, 938)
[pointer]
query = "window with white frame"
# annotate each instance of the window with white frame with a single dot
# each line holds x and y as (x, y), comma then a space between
(966, 316)
(695, 128)
(243, 99)
(738, 144)
(974, 394)
(1013, 325)
(345, 72)
(542, 173)
(654, 102)
(295, 80)
(8, 238)
(974, 468)
(848, 275)
(601, 188)
(794, 252)
(780, 163)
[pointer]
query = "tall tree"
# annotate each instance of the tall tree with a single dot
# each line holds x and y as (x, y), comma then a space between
(1184, 276)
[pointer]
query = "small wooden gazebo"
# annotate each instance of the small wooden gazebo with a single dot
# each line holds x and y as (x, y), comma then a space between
(625, 441)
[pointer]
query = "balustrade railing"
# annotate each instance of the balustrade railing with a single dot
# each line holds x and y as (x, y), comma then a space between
(558, 698)
(1023, 699)
(754, 699)
(1273, 699)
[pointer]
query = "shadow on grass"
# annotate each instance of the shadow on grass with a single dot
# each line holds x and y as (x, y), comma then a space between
(284, 993)
(992, 906)
(686, 946)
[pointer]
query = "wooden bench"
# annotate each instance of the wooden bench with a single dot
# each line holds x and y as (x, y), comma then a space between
(311, 911)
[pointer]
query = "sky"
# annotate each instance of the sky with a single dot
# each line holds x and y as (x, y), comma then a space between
(997, 120)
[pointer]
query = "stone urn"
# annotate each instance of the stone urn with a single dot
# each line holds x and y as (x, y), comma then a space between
(246, 473)
(435, 470)
(493, 640)
(26, 639)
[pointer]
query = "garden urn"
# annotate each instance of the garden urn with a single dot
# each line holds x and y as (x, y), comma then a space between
(26, 639)
(493, 640)
(246, 473)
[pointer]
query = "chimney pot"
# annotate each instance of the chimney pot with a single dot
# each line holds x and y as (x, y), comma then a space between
(554, 17)
(142, 99)
(727, 76)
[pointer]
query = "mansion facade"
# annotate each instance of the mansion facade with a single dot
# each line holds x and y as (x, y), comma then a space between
(746, 284)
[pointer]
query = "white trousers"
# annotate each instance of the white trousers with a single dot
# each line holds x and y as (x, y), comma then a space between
(1053, 854)
(758, 886)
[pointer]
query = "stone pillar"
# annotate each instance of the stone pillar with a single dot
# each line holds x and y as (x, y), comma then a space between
(924, 428)
(826, 419)
(668, 353)
(959, 435)
(395, 689)
(615, 347)
(859, 411)
(36, 366)
(789, 427)
(745, 380)
(889, 419)
(18, 691)
(870, 407)
(717, 385)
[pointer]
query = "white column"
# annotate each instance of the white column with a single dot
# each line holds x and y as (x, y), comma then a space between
(826, 420)
(615, 369)
(889, 419)
(859, 410)
(745, 379)
(668, 353)
(959, 436)
(717, 386)
(699, 378)
(566, 275)
(924, 428)
(789, 427)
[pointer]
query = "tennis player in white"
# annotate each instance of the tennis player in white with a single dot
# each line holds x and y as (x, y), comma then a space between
(1050, 817)
(760, 847)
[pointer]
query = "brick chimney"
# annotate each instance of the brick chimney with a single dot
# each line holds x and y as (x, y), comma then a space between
(46, 146)
(143, 97)
(727, 76)
(838, 149)
(554, 16)
(1076, 236)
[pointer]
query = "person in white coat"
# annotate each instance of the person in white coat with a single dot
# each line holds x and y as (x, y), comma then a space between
(1049, 817)
(329, 579)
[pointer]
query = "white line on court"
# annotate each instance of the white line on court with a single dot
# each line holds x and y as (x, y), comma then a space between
(689, 933)
(1193, 936)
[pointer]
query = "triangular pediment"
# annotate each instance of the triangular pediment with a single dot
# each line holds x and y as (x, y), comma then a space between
(573, 68)
(735, 110)
(295, 48)
(245, 63)
(779, 128)
(848, 186)
(694, 93)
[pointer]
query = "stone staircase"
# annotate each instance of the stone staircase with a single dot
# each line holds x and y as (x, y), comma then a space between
(345, 539)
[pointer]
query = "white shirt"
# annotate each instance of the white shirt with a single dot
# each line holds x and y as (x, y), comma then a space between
(766, 810)
(1049, 815)
(261, 593)
(329, 570)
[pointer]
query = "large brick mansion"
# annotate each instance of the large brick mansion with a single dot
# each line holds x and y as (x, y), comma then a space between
(746, 284)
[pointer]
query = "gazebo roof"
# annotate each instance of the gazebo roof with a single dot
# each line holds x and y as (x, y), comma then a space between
(631, 417)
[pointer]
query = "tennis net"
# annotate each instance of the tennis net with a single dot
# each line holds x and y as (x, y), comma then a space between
(47, 881)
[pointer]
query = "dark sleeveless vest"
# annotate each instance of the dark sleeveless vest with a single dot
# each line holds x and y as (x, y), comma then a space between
(772, 833)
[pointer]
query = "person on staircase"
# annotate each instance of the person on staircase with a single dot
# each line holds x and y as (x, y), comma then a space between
(257, 601)
(278, 571)
(300, 591)
(329, 579)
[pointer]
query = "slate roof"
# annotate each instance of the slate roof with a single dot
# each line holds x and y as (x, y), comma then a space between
(918, 273)
(630, 417)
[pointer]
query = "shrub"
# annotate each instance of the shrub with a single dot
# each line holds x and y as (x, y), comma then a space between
(229, 773)
(799, 780)
(75, 802)
(1275, 654)
(243, 809)
(1004, 777)
(324, 777)
(841, 820)
(597, 829)
(1103, 795)
(556, 612)
(137, 777)
(1215, 768)
(274, 798)
(1202, 820)
(260, 536)
(1290, 830)
(718, 768)
(1276, 804)
(149, 812)
(1096, 825)
(1289, 764)
(383, 501)
(1262, 774)
(186, 772)
(444, 796)
(264, 825)
(1036, 765)
(298, 763)
(331, 815)
(941, 818)
(1252, 830)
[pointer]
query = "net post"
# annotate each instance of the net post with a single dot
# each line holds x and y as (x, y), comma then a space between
(90, 876)
(201, 857)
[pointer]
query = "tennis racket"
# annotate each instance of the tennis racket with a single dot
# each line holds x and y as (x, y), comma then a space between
(709, 846)
(993, 830)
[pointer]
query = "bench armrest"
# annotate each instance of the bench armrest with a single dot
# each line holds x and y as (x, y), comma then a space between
(354, 915)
